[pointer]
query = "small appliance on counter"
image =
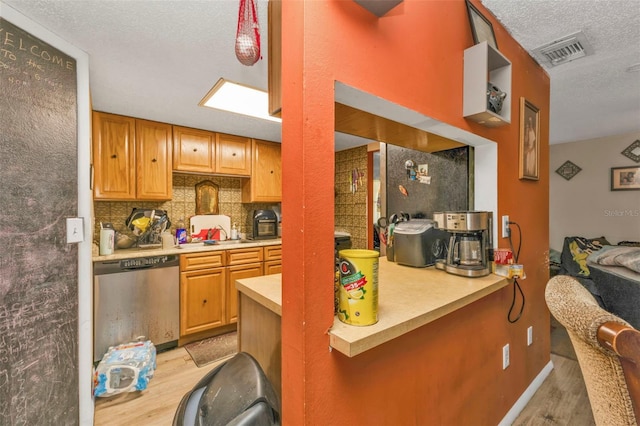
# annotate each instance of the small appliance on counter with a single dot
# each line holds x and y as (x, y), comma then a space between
(470, 241)
(265, 225)
(419, 243)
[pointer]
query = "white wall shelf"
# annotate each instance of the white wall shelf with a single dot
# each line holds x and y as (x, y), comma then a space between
(484, 64)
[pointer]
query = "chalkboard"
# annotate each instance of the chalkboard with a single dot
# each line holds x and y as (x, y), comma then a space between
(38, 270)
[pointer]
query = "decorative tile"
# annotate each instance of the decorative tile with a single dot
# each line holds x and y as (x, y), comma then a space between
(633, 151)
(568, 170)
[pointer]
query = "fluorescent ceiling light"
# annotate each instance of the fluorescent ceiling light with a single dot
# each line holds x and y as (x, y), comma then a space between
(234, 97)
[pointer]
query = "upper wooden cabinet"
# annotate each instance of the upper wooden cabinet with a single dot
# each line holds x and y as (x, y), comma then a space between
(265, 184)
(274, 29)
(202, 151)
(131, 158)
(233, 155)
(193, 150)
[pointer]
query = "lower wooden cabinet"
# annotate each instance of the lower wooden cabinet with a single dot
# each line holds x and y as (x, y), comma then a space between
(234, 273)
(202, 300)
(208, 295)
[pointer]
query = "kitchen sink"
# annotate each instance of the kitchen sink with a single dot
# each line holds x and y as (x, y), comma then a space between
(217, 243)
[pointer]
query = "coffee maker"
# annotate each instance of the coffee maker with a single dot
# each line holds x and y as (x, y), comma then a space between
(470, 242)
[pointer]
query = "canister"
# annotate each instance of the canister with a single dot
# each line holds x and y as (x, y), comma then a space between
(358, 292)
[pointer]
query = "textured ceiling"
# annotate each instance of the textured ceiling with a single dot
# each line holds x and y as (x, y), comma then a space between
(157, 59)
(593, 96)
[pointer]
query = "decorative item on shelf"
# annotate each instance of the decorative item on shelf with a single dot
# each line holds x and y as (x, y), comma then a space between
(481, 28)
(207, 198)
(495, 97)
(633, 151)
(568, 170)
(529, 141)
(625, 178)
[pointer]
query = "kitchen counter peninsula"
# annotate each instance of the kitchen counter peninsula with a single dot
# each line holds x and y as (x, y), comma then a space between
(182, 249)
(408, 298)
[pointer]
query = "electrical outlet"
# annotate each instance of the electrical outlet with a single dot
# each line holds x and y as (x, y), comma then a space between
(529, 335)
(505, 356)
(505, 226)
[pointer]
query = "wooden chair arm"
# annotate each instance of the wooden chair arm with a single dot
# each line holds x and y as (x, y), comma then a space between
(625, 341)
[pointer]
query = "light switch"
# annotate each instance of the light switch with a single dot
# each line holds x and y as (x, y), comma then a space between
(75, 230)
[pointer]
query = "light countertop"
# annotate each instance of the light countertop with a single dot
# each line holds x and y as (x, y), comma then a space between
(182, 249)
(408, 298)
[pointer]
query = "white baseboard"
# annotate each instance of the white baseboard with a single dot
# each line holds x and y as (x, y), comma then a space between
(526, 396)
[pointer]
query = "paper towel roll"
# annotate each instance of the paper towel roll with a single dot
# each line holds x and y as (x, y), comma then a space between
(106, 241)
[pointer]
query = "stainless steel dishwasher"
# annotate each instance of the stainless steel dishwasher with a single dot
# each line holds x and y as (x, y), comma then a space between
(136, 297)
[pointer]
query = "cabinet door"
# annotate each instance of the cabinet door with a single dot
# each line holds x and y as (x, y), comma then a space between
(153, 157)
(233, 155)
(234, 273)
(193, 150)
(265, 184)
(202, 300)
(113, 157)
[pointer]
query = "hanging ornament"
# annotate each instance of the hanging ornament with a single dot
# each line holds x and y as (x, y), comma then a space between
(248, 34)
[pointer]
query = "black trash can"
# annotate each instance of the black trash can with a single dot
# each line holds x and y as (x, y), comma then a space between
(235, 393)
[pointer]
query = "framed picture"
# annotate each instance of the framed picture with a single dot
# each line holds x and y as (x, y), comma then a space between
(625, 178)
(481, 28)
(529, 141)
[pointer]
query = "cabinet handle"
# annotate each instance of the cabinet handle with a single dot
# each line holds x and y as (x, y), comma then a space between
(204, 301)
(195, 149)
(154, 160)
(233, 155)
(114, 156)
(271, 171)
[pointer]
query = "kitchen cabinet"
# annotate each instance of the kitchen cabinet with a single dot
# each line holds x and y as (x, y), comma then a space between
(273, 259)
(201, 151)
(482, 65)
(234, 273)
(233, 155)
(265, 183)
(241, 263)
(208, 296)
(131, 158)
(193, 150)
(203, 287)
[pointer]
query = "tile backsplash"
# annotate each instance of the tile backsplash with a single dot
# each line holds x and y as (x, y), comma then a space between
(183, 204)
(351, 207)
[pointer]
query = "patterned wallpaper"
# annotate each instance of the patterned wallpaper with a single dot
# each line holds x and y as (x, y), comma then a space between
(183, 204)
(351, 207)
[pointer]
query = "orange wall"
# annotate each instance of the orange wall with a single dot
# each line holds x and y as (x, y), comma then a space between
(449, 371)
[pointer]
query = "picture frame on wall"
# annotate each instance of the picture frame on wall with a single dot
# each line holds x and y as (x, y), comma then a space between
(625, 178)
(529, 162)
(481, 28)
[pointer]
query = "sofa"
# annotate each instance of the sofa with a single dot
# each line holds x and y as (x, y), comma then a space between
(611, 273)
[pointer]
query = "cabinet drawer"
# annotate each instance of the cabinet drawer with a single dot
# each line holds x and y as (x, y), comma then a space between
(212, 259)
(273, 252)
(248, 255)
(272, 267)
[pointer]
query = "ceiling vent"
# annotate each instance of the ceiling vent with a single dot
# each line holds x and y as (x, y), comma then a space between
(563, 50)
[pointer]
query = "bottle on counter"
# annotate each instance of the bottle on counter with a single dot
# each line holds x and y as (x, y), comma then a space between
(234, 232)
(181, 232)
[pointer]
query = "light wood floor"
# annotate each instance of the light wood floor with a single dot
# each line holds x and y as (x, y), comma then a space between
(561, 400)
(175, 375)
